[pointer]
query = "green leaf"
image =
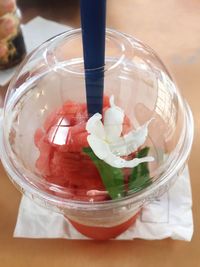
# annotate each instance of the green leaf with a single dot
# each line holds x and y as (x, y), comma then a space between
(140, 176)
(112, 177)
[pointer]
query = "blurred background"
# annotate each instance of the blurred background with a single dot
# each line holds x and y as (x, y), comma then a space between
(58, 10)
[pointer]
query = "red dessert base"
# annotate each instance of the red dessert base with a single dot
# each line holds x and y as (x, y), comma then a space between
(104, 233)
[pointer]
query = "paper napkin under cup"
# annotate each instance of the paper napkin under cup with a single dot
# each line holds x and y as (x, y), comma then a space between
(167, 216)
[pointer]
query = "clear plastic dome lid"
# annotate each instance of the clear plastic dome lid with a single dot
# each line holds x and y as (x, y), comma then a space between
(51, 145)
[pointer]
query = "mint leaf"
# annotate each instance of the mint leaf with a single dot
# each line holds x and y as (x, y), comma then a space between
(112, 177)
(140, 176)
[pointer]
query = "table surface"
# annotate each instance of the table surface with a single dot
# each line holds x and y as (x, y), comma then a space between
(172, 28)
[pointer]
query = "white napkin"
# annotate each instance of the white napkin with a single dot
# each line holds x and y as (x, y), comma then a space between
(35, 32)
(168, 216)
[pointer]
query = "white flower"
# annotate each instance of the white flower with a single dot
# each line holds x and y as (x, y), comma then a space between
(106, 140)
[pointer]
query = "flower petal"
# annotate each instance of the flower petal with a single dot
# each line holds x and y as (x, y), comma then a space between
(99, 146)
(103, 152)
(113, 121)
(131, 141)
(95, 126)
(118, 162)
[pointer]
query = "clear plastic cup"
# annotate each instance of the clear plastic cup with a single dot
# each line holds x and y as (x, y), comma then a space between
(50, 80)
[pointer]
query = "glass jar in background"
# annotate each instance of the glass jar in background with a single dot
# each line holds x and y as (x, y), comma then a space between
(12, 46)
